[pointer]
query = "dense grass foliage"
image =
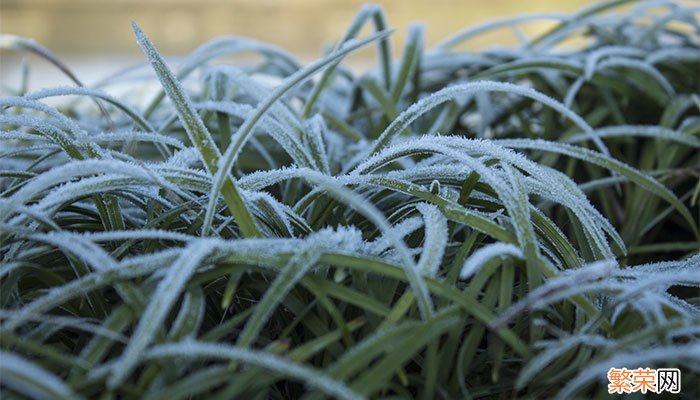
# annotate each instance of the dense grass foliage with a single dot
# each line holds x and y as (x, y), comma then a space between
(451, 224)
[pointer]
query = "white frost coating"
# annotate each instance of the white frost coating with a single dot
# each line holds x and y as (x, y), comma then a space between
(137, 136)
(298, 265)
(563, 189)
(53, 133)
(186, 158)
(267, 205)
(20, 135)
(673, 54)
(632, 358)
(597, 54)
(402, 229)
(31, 380)
(520, 214)
(287, 139)
(651, 131)
(279, 111)
(92, 254)
(86, 186)
(435, 239)
(315, 130)
(52, 298)
(480, 257)
(94, 93)
(74, 322)
(279, 131)
(463, 150)
(228, 45)
(134, 234)
(553, 349)
(371, 212)
(343, 240)
(682, 307)
(70, 171)
(690, 264)
(233, 108)
(128, 268)
(562, 286)
(245, 131)
(606, 162)
(113, 175)
(197, 132)
(452, 92)
(316, 378)
(573, 91)
(642, 66)
(593, 223)
(22, 102)
(24, 163)
(259, 180)
(165, 295)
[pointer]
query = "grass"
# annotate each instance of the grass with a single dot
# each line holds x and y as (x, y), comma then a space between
(507, 223)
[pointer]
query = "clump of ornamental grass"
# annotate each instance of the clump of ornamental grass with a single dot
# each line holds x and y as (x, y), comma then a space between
(451, 224)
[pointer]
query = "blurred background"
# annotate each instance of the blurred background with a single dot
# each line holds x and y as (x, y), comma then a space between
(94, 37)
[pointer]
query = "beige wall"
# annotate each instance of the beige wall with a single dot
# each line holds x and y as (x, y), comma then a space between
(176, 26)
(94, 37)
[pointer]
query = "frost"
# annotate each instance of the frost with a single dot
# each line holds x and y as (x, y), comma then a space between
(304, 258)
(132, 234)
(650, 131)
(658, 355)
(670, 54)
(66, 122)
(84, 324)
(460, 90)
(228, 45)
(26, 377)
(162, 300)
(66, 173)
(434, 187)
(92, 254)
(607, 162)
(563, 286)
(480, 257)
(194, 349)
(259, 180)
(186, 158)
(135, 136)
(595, 56)
(271, 210)
(379, 183)
(401, 229)
(279, 111)
(315, 129)
(435, 239)
(643, 67)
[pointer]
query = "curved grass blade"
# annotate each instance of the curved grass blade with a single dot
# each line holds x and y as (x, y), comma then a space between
(199, 136)
(245, 131)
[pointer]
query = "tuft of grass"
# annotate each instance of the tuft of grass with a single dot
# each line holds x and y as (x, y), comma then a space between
(505, 223)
